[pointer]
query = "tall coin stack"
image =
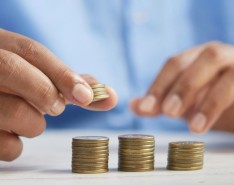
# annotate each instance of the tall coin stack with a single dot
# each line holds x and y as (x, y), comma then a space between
(185, 155)
(136, 153)
(99, 92)
(90, 154)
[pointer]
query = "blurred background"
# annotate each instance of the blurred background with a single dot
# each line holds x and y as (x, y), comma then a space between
(123, 43)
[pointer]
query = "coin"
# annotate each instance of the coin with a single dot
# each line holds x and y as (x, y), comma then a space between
(136, 158)
(90, 139)
(100, 97)
(85, 171)
(185, 155)
(142, 146)
(186, 144)
(184, 169)
(90, 160)
(136, 162)
(94, 86)
(136, 137)
(90, 148)
(99, 92)
(90, 154)
(136, 152)
(135, 170)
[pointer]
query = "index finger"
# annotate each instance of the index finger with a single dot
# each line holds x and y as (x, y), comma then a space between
(150, 104)
(71, 85)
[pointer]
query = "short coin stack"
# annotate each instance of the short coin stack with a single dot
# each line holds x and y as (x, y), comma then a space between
(99, 92)
(90, 154)
(136, 153)
(185, 155)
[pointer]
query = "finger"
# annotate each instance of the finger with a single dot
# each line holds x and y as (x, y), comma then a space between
(103, 105)
(5, 90)
(18, 116)
(212, 61)
(30, 83)
(225, 123)
(220, 97)
(166, 78)
(197, 103)
(137, 105)
(199, 99)
(71, 85)
(10, 146)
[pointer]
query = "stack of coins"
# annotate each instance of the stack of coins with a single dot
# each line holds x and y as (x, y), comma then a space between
(185, 155)
(99, 92)
(136, 153)
(90, 154)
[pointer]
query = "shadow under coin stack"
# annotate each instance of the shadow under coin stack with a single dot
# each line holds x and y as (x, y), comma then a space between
(99, 92)
(136, 153)
(90, 154)
(185, 155)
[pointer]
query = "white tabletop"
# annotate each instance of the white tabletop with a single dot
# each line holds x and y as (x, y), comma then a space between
(47, 160)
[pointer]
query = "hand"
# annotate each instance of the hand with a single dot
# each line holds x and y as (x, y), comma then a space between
(33, 82)
(197, 85)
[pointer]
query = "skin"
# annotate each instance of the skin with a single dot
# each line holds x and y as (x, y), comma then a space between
(34, 82)
(196, 85)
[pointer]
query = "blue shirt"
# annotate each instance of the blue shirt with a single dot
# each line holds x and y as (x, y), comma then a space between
(123, 43)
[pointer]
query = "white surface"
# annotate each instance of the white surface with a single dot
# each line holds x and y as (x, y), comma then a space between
(47, 160)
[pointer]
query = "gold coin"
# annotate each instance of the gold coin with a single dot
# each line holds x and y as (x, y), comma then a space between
(136, 165)
(135, 170)
(136, 137)
(98, 85)
(123, 146)
(185, 164)
(185, 161)
(186, 144)
(184, 169)
(91, 148)
(136, 143)
(89, 171)
(91, 139)
(99, 90)
(136, 155)
(78, 151)
(100, 93)
(90, 156)
(100, 97)
(136, 162)
(90, 160)
(89, 165)
(185, 158)
(185, 152)
(89, 145)
(134, 151)
(133, 158)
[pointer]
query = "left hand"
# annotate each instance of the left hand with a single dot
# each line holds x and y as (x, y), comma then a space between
(197, 85)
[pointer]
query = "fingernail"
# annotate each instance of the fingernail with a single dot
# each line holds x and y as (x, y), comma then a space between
(198, 122)
(172, 105)
(148, 103)
(58, 107)
(82, 93)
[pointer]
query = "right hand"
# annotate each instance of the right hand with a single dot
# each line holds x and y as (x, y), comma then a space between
(34, 82)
